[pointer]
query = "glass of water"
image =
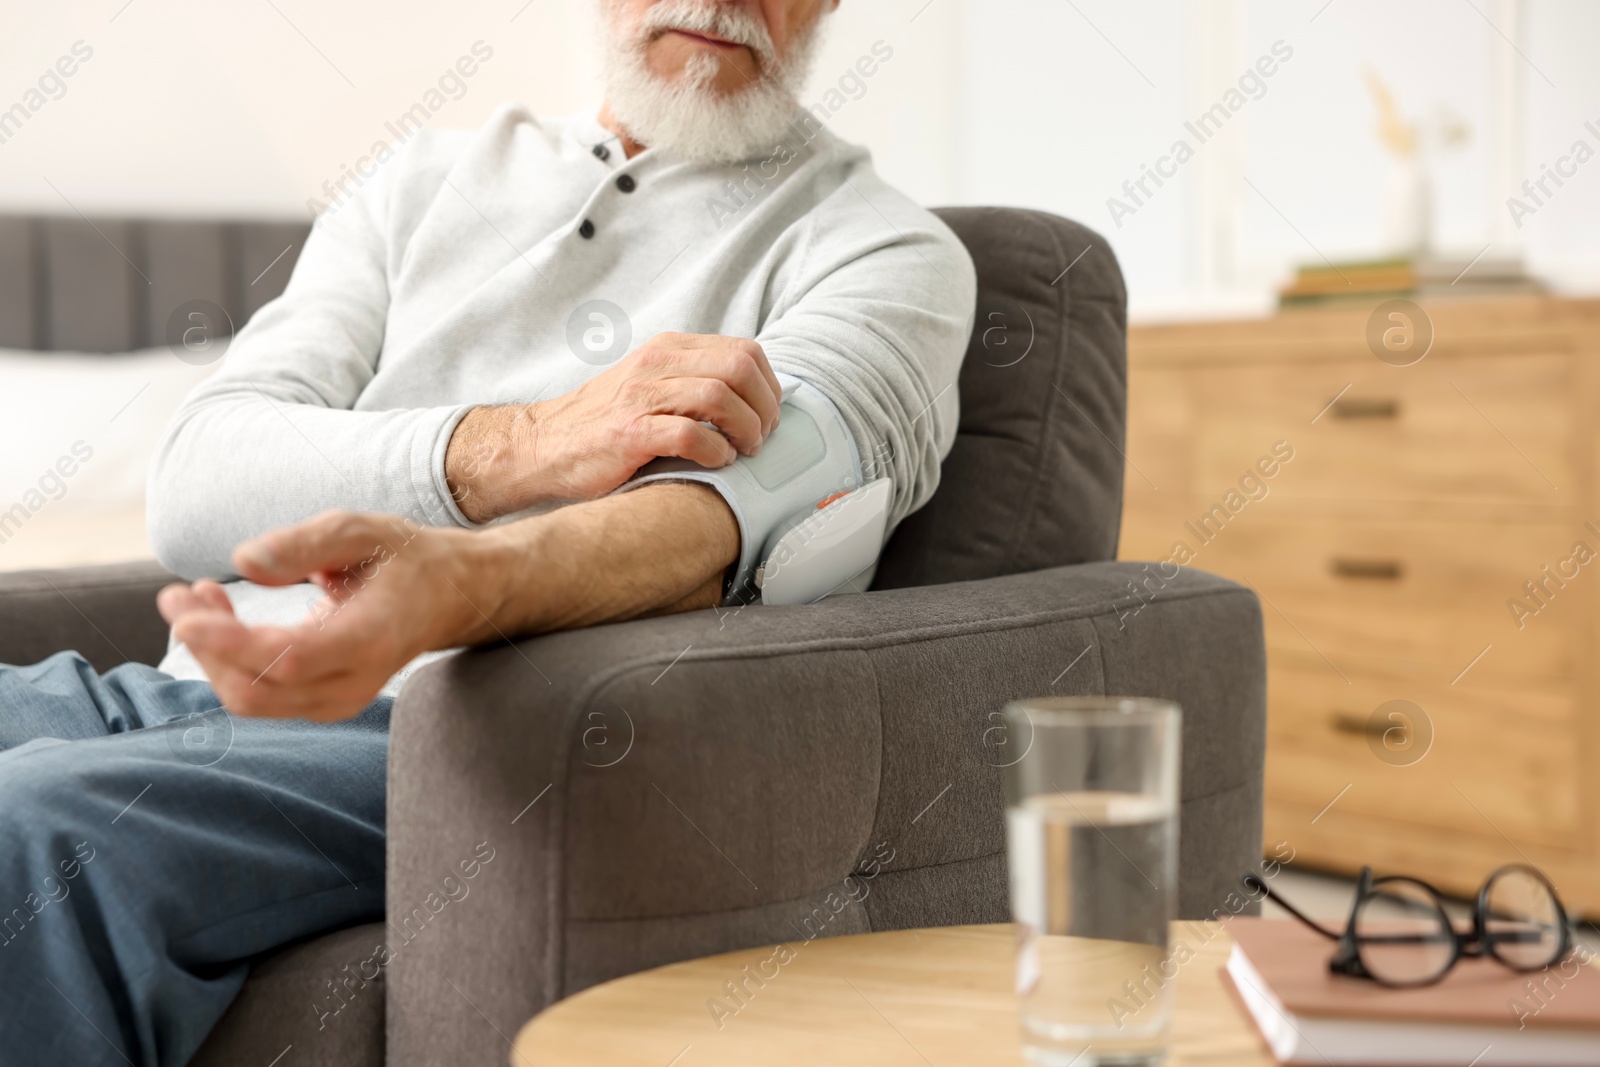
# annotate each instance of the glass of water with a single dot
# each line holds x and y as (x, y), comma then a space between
(1092, 835)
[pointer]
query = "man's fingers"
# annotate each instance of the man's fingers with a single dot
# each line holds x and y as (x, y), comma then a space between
(332, 542)
(739, 362)
(675, 435)
(723, 342)
(748, 373)
(212, 595)
(176, 600)
(306, 672)
(713, 400)
(259, 696)
(744, 345)
(214, 636)
(272, 655)
(312, 652)
(759, 354)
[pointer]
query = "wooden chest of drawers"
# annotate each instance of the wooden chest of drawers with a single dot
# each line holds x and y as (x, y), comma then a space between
(1427, 534)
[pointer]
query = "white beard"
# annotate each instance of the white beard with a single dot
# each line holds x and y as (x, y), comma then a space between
(689, 118)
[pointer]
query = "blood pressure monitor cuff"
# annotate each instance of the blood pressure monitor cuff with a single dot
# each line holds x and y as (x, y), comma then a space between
(807, 459)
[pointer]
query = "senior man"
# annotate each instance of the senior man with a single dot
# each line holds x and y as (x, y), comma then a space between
(438, 437)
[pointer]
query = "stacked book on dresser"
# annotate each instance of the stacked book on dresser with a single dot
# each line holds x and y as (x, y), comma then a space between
(1322, 283)
(1481, 1014)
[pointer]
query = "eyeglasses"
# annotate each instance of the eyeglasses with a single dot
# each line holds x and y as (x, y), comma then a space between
(1399, 935)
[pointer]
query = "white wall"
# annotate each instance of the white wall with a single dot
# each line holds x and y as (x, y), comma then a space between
(1562, 36)
(1297, 173)
(250, 106)
(196, 107)
(1057, 116)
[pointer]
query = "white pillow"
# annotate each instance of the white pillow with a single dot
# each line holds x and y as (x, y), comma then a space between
(98, 417)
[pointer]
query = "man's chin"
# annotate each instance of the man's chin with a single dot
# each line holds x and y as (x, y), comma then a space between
(697, 140)
(710, 110)
(711, 92)
(700, 122)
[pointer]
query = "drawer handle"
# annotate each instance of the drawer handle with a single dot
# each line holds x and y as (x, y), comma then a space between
(1375, 570)
(1357, 408)
(1349, 723)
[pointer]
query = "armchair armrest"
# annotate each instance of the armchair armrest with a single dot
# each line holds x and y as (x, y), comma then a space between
(107, 613)
(672, 787)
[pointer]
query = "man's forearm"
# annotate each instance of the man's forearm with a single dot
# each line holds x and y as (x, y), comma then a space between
(396, 590)
(656, 550)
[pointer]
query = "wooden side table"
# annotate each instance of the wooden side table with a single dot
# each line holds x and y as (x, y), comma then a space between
(909, 998)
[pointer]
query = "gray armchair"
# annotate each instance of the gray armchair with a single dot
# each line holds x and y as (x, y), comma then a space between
(674, 787)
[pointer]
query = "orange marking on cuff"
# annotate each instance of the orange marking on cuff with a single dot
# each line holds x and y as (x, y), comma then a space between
(828, 500)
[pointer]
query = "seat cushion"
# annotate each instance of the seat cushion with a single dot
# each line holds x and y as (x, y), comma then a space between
(314, 997)
(1034, 479)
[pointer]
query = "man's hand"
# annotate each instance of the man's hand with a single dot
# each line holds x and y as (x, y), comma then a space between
(390, 593)
(394, 590)
(586, 443)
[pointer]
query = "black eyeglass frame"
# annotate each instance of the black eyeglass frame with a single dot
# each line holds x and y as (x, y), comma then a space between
(1475, 944)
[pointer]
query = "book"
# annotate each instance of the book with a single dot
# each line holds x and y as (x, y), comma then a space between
(1322, 282)
(1481, 1013)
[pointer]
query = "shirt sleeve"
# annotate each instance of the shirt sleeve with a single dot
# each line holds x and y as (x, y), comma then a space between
(271, 438)
(877, 317)
(868, 338)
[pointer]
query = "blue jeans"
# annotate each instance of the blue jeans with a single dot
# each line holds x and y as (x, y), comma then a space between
(151, 845)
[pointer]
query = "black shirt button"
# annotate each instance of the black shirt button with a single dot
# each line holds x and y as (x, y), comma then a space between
(586, 231)
(602, 152)
(626, 183)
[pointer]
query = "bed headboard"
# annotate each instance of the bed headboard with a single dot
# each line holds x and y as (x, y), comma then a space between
(110, 284)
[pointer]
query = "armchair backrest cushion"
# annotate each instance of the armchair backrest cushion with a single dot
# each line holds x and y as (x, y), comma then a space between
(112, 285)
(1034, 479)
